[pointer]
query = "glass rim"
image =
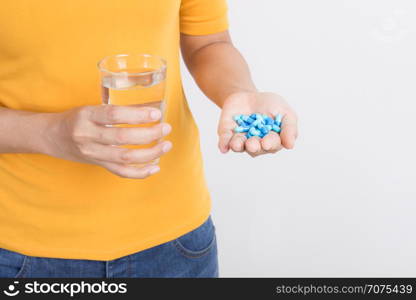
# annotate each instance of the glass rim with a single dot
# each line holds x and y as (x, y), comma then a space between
(161, 59)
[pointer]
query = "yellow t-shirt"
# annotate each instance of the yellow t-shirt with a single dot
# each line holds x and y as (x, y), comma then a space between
(49, 50)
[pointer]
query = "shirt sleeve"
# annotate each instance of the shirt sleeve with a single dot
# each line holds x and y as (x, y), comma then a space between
(200, 17)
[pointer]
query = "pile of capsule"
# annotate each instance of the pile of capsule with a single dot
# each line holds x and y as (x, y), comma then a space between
(257, 124)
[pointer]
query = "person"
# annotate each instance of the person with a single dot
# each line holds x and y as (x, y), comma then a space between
(71, 203)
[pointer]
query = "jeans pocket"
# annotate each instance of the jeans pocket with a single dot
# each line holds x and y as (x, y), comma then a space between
(12, 264)
(198, 242)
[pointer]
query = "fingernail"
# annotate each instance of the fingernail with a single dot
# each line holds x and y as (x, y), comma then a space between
(224, 149)
(154, 170)
(166, 129)
(155, 115)
(166, 147)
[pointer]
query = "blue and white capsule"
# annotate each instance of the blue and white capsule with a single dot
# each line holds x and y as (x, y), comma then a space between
(278, 119)
(237, 117)
(276, 128)
(269, 121)
(241, 129)
(264, 130)
(253, 131)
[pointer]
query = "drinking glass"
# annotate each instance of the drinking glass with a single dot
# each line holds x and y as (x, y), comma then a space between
(136, 80)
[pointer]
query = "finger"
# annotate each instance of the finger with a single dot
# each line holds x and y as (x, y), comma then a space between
(225, 131)
(237, 142)
(148, 155)
(130, 135)
(124, 114)
(261, 152)
(289, 131)
(271, 142)
(126, 171)
(116, 154)
(224, 141)
(253, 145)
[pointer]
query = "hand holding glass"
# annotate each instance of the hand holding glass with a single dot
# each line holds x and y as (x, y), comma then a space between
(136, 80)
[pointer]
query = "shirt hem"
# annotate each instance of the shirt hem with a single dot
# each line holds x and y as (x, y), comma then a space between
(112, 255)
(203, 30)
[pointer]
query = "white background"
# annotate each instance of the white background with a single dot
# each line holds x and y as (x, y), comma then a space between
(343, 202)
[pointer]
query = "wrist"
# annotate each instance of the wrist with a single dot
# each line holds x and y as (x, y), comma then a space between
(42, 134)
(235, 91)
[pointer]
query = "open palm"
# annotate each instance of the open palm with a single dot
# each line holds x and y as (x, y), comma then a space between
(264, 103)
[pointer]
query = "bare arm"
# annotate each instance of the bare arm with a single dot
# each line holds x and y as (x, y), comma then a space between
(223, 75)
(22, 131)
(216, 65)
(80, 135)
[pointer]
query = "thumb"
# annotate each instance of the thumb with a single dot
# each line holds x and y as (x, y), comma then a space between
(225, 132)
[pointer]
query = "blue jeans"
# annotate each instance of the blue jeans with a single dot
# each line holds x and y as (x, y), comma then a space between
(191, 255)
